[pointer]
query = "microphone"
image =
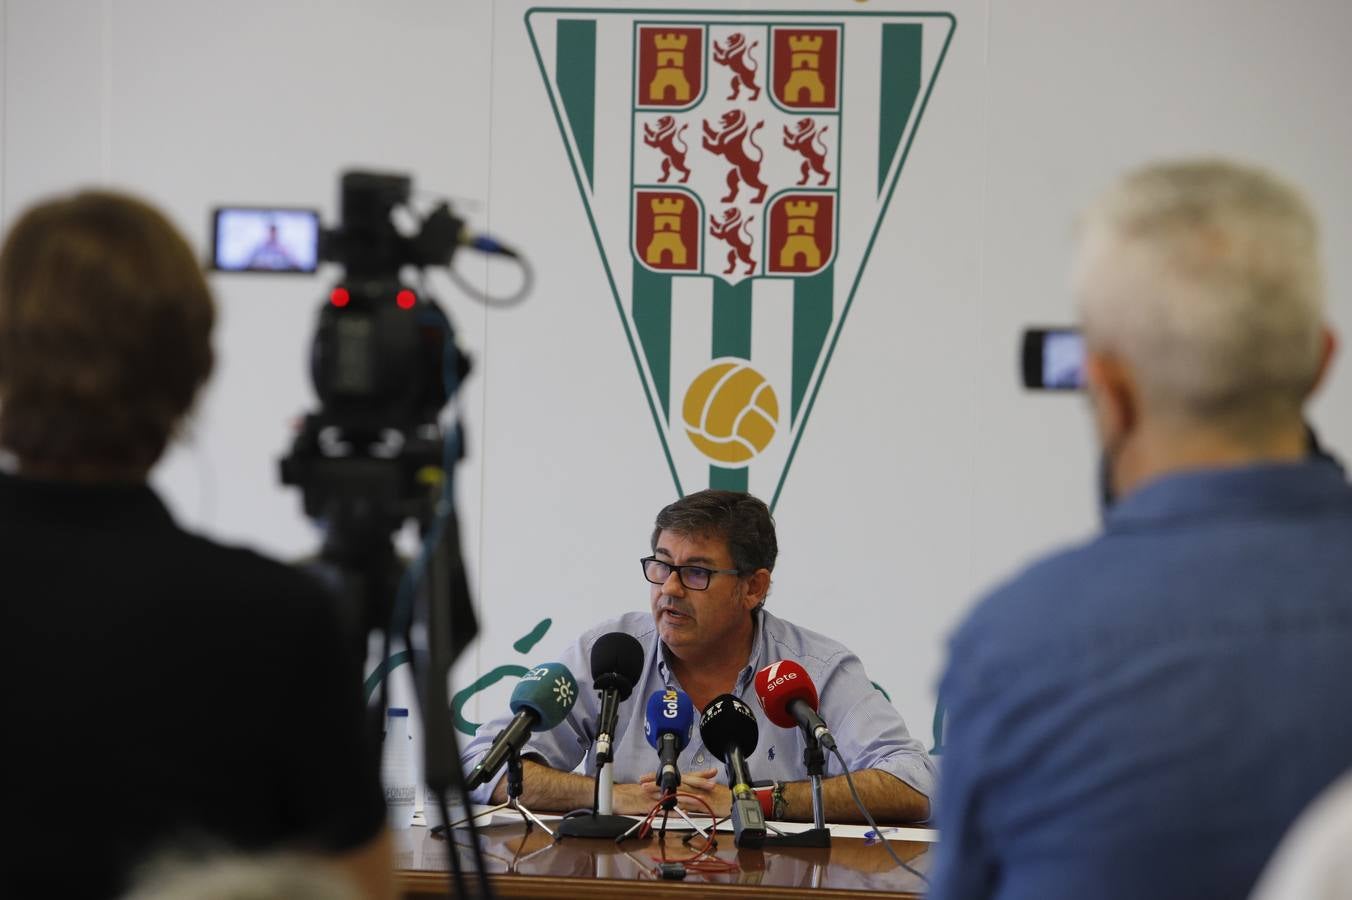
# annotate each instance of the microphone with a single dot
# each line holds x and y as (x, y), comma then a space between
(616, 666)
(542, 698)
(789, 698)
(667, 726)
(728, 728)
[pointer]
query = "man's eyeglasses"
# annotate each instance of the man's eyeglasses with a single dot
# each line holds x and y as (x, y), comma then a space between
(693, 578)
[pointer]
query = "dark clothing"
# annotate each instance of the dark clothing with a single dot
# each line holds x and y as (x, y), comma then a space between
(164, 692)
(1145, 715)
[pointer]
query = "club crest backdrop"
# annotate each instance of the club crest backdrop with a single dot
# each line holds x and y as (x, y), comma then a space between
(724, 178)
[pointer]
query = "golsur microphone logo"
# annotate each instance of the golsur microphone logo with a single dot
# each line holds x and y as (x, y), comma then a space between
(735, 191)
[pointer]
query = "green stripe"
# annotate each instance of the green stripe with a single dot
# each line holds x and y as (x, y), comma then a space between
(732, 337)
(575, 71)
(900, 68)
(652, 320)
(732, 319)
(727, 479)
(813, 302)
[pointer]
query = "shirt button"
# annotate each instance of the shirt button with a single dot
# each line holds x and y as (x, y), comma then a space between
(700, 759)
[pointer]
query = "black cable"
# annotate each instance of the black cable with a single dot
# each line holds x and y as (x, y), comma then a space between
(457, 871)
(849, 780)
(474, 293)
(402, 615)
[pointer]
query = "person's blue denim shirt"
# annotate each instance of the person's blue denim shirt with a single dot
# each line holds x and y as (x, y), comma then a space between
(1145, 715)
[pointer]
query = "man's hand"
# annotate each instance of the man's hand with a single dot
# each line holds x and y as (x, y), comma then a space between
(701, 784)
(633, 799)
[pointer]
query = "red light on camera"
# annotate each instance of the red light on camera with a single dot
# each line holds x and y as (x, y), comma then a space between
(339, 297)
(405, 299)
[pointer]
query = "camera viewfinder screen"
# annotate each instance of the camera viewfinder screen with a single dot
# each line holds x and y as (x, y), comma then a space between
(266, 240)
(1063, 360)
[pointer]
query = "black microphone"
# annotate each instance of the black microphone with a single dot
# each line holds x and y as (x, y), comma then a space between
(543, 696)
(616, 666)
(728, 729)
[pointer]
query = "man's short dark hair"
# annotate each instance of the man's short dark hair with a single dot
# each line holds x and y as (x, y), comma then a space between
(737, 517)
(105, 332)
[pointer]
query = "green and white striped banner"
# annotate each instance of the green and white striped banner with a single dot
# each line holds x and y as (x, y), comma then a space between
(735, 167)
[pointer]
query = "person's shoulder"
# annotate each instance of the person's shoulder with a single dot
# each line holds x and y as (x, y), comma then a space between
(249, 576)
(786, 640)
(1030, 604)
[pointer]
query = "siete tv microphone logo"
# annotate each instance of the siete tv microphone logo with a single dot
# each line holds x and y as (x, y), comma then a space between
(773, 679)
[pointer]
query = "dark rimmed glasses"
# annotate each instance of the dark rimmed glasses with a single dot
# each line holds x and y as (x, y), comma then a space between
(692, 578)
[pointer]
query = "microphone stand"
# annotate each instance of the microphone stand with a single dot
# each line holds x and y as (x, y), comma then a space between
(514, 788)
(667, 804)
(814, 760)
(600, 822)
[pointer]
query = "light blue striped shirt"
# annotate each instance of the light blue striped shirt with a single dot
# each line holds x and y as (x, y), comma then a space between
(869, 731)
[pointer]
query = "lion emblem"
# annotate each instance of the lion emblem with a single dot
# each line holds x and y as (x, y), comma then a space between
(805, 138)
(737, 56)
(730, 141)
(732, 228)
(666, 138)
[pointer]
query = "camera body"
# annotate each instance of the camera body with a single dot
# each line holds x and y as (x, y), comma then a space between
(384, 364)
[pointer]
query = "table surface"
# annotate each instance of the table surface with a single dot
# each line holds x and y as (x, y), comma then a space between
(531, 864)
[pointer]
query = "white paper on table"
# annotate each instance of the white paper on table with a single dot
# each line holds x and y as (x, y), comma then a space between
(676, 823)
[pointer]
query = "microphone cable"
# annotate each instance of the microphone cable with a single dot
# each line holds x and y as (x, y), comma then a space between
(849, 780)
(703, 861)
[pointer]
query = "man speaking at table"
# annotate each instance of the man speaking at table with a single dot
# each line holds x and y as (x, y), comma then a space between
(707, 634)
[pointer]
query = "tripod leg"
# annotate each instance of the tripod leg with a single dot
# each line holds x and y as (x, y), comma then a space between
(702, 833)
(477, 815)
(531, 817)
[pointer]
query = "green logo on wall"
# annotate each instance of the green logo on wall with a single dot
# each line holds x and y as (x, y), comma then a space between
(735, 168)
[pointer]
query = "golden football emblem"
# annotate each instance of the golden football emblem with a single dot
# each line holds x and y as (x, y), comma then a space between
(730, 412)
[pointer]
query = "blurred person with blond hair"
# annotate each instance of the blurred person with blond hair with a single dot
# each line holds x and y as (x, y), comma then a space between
(1146, 713)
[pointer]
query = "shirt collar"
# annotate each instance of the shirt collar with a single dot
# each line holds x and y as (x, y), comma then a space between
(1231, 492)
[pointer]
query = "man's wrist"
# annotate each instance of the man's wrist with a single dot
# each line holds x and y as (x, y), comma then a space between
(772, 800)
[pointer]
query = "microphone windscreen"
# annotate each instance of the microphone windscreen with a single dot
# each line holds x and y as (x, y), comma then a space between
(728, 722)
(617, 662)
(669, 712)
(550, 690)
(780, 683)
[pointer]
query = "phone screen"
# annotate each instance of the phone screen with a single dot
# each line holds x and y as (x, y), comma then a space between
(1053, 359)
(252, 239)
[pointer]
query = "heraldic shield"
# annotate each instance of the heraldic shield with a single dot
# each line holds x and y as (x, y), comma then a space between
(735, 200)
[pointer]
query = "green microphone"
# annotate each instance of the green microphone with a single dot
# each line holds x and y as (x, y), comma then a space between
(542, 698)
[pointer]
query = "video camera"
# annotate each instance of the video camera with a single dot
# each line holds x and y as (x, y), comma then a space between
(384, 363)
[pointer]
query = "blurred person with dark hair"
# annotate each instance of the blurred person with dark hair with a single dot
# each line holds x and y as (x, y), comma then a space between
(161, 688)
(1146, 714)
(707, 633)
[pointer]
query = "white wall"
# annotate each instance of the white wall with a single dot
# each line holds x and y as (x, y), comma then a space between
(925, 473)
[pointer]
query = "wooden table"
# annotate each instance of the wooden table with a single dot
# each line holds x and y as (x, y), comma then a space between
(530, 864)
